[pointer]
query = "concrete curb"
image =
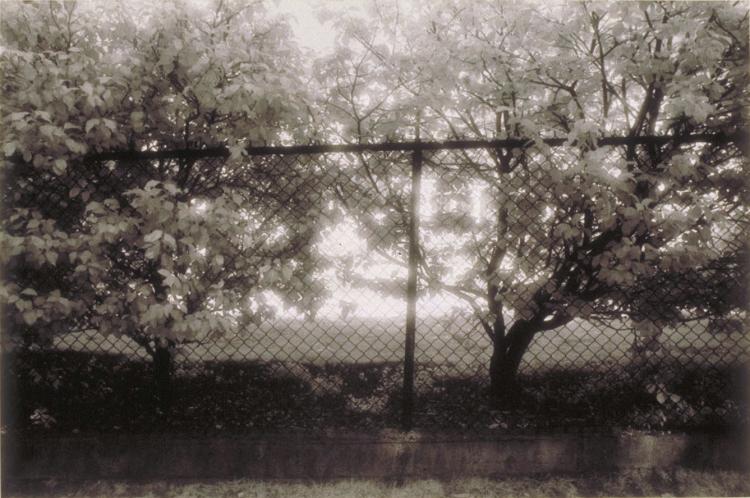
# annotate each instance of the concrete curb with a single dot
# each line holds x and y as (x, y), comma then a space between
(380, 456)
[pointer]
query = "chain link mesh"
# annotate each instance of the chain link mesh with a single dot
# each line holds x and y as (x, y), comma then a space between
(313, 265)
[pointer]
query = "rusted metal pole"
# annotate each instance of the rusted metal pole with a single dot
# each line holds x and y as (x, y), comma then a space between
(407, 416)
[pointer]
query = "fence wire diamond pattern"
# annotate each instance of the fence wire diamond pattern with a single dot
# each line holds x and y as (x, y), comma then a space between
(303, 285)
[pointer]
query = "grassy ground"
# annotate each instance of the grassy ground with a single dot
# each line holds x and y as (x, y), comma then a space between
(678, 482)
(457, 344)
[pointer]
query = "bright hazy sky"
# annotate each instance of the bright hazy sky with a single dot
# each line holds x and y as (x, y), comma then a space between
(311, 33)
(319, 36)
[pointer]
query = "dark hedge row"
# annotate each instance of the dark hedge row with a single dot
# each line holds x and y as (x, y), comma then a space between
(71, 392)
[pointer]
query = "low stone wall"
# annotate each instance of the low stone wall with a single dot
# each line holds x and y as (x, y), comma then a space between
(386, 455)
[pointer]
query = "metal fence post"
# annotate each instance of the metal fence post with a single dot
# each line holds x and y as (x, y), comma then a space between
(411, 290)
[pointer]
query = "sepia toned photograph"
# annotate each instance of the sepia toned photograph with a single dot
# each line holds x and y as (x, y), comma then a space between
(374, 248)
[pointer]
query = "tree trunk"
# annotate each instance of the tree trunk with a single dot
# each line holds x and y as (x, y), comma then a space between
(162, 362)
(506, 358)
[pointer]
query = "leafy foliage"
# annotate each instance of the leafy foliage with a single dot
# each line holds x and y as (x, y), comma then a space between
(540, 236)
(181, 248)
(177, 249)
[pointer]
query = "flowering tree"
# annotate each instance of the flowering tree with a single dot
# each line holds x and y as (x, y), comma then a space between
(165, 250)
(580, 231)
(181, 246)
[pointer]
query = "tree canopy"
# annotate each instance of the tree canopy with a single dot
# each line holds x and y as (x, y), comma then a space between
(544, 235)
(529, 238)
(162, 248)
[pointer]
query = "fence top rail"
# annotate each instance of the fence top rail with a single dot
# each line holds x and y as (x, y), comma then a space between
(508, 143)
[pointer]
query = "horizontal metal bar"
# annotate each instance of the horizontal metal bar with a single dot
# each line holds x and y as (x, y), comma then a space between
(511, 143)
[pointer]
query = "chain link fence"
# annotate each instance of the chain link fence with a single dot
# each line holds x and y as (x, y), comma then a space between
(187, 292)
